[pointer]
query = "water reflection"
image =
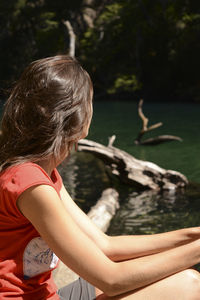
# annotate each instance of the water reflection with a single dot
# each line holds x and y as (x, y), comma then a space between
(140, 213)
(85, 178)
(151, 212)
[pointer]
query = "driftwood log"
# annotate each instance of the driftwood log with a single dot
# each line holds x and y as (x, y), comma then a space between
(155, 140)
(144, 174)
(103, 211)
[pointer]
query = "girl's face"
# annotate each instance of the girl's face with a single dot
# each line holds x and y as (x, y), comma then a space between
(83, 134)
(85, 131)
(87, 125)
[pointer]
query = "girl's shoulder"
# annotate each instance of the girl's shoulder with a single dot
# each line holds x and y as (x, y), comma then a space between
(20, 177)
(23, 171)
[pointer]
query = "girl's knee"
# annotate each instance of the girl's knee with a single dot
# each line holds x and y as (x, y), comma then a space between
(192, 276)
(191, 283)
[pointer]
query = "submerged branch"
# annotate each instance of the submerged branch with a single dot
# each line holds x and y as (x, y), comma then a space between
(145, 128)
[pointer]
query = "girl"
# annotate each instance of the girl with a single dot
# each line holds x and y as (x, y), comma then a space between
(48, 111)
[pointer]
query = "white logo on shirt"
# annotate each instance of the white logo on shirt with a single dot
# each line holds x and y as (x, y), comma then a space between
(38, 258)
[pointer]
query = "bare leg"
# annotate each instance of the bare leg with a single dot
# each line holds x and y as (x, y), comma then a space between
(184, 285)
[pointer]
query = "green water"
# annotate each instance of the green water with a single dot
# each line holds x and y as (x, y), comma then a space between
(182, 120)
(149, 212)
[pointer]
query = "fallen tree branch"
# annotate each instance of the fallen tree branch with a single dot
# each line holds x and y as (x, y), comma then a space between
(129, 170)
(103, 211)
(145, 128)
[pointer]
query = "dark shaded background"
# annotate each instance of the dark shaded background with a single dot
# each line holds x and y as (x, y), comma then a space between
(132, 48)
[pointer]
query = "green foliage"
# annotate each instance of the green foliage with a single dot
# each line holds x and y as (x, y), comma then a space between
(110, 13)
(128, 83)
(148, 48)
(30, 30)
(48, 31)
(153, 46)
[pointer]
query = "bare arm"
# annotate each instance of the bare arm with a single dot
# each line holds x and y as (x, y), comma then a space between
(125, 247)
(83, 221)
(42, 206)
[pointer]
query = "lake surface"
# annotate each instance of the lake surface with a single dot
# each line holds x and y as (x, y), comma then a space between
(181, 120)
(85, 176)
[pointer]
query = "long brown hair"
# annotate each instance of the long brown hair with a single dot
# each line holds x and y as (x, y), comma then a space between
(46, 111)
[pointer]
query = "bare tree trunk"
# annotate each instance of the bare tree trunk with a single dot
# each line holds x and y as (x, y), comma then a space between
(72, 38)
